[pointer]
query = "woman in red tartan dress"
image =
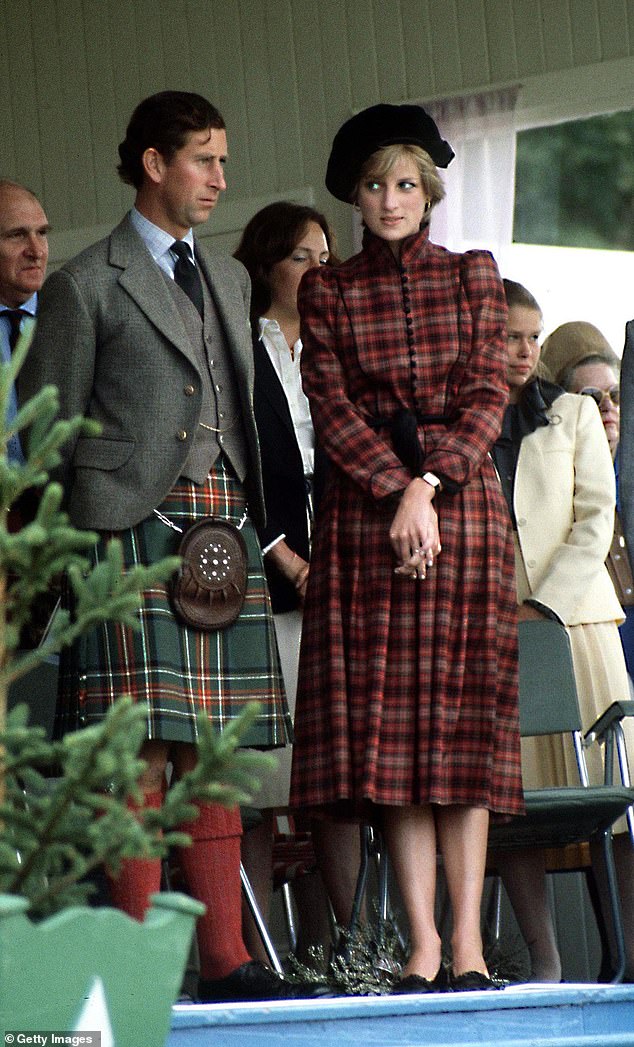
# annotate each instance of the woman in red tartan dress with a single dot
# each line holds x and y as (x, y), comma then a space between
(407, 701)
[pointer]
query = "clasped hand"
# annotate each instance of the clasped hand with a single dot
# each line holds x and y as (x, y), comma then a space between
(414, 532)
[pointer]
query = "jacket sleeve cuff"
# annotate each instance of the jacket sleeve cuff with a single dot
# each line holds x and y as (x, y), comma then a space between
(543, 609)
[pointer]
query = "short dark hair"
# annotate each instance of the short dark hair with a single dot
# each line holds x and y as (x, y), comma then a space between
(517, 294)
(268, 238)
(163, 122)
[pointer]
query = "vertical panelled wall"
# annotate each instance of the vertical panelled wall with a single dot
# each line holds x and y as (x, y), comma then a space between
(285, 73)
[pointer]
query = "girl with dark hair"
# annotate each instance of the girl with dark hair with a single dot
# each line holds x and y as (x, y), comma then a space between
(279, 244)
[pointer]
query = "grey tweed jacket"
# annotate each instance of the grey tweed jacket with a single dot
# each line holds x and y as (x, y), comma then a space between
(108, 336)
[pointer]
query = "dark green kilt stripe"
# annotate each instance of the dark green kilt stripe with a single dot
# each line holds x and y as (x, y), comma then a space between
(179, 671)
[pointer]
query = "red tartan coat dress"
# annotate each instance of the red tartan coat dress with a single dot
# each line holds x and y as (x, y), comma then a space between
(408, 690)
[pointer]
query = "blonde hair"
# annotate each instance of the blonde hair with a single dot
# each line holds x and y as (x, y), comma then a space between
(383, 160)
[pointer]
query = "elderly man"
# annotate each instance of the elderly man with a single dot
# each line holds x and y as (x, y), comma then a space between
(23, 257)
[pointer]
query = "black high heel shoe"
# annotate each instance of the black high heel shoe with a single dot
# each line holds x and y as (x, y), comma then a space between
(472, 981)
(414, 983)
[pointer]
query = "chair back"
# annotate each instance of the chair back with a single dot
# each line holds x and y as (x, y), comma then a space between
(548, 692)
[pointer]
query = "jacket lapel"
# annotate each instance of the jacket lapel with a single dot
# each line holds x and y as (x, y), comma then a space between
(142, 279)
(269, 384)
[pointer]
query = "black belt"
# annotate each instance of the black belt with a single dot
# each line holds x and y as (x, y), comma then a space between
(403, 426)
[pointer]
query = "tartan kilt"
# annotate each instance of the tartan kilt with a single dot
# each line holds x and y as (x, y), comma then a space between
(179, 671)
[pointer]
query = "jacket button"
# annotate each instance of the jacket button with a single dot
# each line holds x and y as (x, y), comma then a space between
(530, 563)
(521, 521)
(181, 435)
(189, 390)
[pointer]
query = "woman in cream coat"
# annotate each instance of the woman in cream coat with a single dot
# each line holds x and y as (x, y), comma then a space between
(558, 479)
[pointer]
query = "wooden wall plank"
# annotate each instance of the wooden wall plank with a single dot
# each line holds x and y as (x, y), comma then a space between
(613, 29)
(78, 123)
(204, 39)
(258, 75)
(285, 78)
(315, 129)
(387, 40)
(232, 99)
(473, 42)
(7, 150)
(443, 21)
(174, 25)
(557, 36)
(106, 133)
(22, 113)
(529, 39)
(584, 30)
(336, 59)
(364, 23)
(500, 34)
(49, 176)
(417, 50)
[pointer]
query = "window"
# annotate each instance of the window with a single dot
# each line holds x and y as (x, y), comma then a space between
(573, 225)
(574, 184)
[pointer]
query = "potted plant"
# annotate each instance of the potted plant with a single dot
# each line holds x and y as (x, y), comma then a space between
(63, 804)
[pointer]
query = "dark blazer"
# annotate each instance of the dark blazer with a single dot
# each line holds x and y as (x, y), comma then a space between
(109, 337)
(626, 440)
(285, 493)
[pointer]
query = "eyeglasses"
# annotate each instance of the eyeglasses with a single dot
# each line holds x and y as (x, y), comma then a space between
(599, 395)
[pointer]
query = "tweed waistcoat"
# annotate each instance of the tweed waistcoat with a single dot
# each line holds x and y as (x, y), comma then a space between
(220, 400)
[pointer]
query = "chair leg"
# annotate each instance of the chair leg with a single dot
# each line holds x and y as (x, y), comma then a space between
(362, 878)
(615, 904)
(289, 915)
(493, 915)
(625, 774)
(373, 847)
(254, 909)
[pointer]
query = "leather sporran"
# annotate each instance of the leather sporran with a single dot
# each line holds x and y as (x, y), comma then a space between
(208, 590)
(619, 566)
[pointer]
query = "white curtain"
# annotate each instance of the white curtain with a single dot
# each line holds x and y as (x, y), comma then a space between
(480, 180)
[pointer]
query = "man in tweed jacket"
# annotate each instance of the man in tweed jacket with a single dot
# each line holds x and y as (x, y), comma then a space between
(149, 336)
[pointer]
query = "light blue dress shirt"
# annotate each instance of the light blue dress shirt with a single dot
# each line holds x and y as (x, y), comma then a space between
(14, 449)
(158, 242)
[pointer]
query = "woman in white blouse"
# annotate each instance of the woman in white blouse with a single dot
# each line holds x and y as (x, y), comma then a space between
(279, 244)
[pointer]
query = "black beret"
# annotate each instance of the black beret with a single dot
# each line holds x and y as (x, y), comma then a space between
(371, 129)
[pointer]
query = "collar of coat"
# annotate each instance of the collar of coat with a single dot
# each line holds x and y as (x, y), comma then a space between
(412, 247)
(533, 406)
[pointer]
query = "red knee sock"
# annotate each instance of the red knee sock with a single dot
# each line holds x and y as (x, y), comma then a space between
(139, 877)
(211, 870)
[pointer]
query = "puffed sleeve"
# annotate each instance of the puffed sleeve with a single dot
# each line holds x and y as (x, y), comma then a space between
(478, 389)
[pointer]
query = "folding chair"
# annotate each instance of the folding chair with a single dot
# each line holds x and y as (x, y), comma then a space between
(556, 817)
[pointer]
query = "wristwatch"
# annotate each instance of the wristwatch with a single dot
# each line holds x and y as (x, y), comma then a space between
(433, 480)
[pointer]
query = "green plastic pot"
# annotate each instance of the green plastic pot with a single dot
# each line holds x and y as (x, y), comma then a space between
(95, 963)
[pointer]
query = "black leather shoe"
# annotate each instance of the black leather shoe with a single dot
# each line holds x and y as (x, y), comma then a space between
(471, 981)
(414, 983)
(255, 981)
